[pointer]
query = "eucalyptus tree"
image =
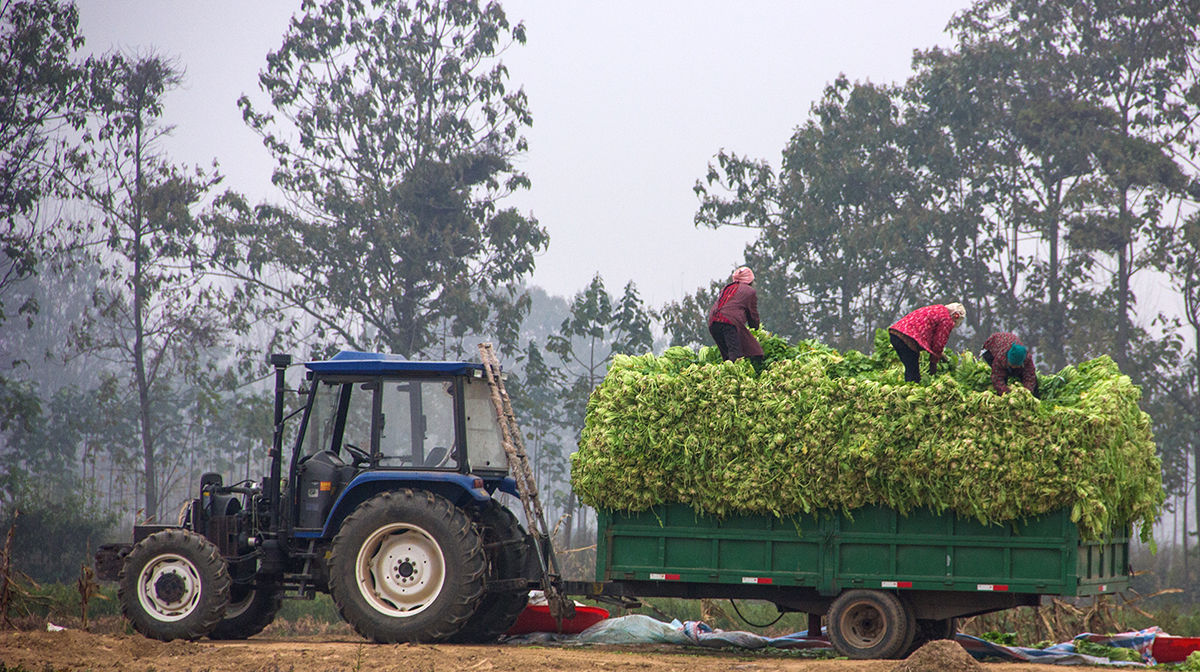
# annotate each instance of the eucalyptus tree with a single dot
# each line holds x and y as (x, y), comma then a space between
(153, 313)
(685, 321)
(841, 224)
(598, 327)
(1178, 392)
(1142, 64)
(395, 135)
(40, 82)
(967, 161)
(538, 402)
(1093, 94)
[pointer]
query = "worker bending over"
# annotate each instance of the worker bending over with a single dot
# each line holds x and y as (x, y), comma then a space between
(925, 329)
(1009, 359)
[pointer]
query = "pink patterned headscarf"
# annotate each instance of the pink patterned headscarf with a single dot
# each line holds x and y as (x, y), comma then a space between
(743, 274)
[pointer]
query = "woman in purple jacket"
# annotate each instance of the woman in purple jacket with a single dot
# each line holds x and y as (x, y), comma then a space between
(735, 309)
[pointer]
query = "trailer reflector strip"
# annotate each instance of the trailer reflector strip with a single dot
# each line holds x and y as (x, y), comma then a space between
(757, 579)
(664, 577)
(995, 587)
(896, 584)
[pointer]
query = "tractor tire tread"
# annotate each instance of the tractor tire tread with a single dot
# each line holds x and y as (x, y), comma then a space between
(215, 595)
(472, 564)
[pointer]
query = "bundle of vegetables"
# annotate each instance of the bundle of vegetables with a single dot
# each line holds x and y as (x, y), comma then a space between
(816, 429)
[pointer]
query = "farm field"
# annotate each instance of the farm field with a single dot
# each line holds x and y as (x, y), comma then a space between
(39, 651)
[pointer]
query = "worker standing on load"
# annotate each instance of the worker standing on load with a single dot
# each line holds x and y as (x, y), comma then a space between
(925, 329)
(735, 309)
(1009, 358)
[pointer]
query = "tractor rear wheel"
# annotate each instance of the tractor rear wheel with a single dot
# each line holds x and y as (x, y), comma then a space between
(498, 610)
(174, 585)
(407, 566)
(870, 624)
(250, 610)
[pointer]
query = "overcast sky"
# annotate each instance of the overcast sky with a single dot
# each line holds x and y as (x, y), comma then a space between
(630, 102)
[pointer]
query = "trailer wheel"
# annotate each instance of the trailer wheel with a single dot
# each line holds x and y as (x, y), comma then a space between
(174, 585)
(870, 624)
(498, 610)
(407, 566)
(250, 610)
(928, 630)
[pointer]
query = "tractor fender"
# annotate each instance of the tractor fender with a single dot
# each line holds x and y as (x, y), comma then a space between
(508, 484)
(461, 489)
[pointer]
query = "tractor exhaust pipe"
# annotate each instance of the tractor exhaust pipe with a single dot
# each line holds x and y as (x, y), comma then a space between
(280, 362)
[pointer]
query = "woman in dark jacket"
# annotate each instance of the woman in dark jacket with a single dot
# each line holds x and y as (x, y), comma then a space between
(735, 309)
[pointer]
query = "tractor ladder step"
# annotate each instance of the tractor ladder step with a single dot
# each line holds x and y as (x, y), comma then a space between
(561, 606)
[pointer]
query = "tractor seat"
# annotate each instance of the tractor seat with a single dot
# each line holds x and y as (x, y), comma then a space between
(436, 456)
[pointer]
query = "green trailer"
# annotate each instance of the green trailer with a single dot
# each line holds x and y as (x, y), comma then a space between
(887, 581)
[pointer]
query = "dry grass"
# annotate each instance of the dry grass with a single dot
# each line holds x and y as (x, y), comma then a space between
(1060, 620)
(308, 626)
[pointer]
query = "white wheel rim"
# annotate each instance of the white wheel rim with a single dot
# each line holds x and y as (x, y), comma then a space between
(169, 587)
(400, 570)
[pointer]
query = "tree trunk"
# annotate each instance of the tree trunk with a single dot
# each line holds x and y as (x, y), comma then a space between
(1055, 354)
(1195, 442)
(1124, 253)
(1195, 494)
(570, 520)
(1174, 540)
(139, 344)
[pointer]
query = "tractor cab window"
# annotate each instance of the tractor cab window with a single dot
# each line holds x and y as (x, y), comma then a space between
(357, 432)
(322, 418)
(483, 429)
(417, 424)
(327, 430)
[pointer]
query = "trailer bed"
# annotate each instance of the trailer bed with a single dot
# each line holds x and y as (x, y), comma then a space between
(872, 548)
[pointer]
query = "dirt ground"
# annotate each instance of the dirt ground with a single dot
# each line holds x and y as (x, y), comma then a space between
(40, 651)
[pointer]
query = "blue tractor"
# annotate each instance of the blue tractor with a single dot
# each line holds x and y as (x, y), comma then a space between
(388, 502)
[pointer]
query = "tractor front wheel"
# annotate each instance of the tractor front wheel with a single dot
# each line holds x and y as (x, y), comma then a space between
(407, 566)
(174, 585)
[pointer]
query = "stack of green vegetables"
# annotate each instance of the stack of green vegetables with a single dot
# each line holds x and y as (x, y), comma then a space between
(816, 429)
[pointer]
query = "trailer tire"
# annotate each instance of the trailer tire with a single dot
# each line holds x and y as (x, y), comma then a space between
(407, 566)
(928, 630)
(174, 585)
(498, 610)
(251, 609)
(870, 624)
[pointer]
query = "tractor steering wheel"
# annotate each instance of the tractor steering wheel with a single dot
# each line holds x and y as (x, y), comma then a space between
(360, 456)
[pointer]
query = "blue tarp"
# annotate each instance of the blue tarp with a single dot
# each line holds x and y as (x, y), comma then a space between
(639, 629)
(1065, 653)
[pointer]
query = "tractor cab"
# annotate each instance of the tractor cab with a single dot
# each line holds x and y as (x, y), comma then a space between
(374, 418)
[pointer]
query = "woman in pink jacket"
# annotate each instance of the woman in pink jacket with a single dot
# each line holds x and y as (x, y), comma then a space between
(925, 329)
